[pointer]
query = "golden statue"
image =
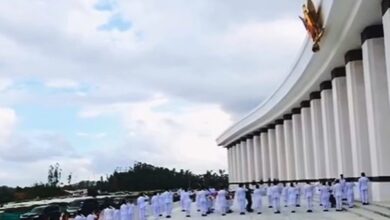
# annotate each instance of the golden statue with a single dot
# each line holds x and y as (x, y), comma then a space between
(311, 20)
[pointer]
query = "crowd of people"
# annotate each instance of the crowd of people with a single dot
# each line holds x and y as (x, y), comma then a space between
(244, 199)
(331, 194)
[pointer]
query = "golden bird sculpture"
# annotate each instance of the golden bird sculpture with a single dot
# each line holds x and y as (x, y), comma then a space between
(313, 24)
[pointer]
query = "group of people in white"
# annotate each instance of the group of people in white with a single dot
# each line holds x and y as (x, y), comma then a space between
(331, 194)
(221, 201)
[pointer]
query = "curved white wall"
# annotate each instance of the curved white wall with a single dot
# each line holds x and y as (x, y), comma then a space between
(344, 20)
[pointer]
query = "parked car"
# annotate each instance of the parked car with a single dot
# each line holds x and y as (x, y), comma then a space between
(85, 206)
(48, 212)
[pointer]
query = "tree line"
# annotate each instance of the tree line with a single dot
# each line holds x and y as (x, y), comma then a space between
(139, 177)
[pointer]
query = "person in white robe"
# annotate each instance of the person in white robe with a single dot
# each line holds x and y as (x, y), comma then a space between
(91, 216)
(202, 196)
(343, 186)
(338, 194)
(161, 203)
(240, 198)
(117, 214)
(187, 201)
(350, 193)
(79, 216)
(276, 191)
(108, 213)
(309, 194)
(285, 195)
(181, 201)
(292, 197)
(221, 203)
(298, 191)
(197, 200)
(324, 196)
(168, 201)
(258, 199)
(269, 195)
(130, 211)
(363, 188)
(123, 211)
(155, 205)
(141, 204)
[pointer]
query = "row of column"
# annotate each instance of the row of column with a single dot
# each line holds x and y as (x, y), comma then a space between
(343, 129)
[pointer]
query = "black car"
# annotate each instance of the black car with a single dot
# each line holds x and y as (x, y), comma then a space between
(49, 212)
(84, 206)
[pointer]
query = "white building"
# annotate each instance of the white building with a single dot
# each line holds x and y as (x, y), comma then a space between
(331, 115)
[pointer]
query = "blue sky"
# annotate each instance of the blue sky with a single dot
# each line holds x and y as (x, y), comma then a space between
(99, 84)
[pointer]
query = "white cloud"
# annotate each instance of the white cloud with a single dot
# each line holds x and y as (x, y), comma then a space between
(219, 58)
(5, 83)
(184, 138)
(92, 135)
(62, 84)
(8, 122)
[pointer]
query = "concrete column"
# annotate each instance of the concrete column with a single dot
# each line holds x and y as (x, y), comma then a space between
(298, 148)
(257, 153)
(342, 127)
(272, 152)
(307, 140)
(386, 29)
(251, 159)
(244, 161)
(318, 135)
(357, 113)
(378, 106)
(289, 147)
(331, 159)
(280, 150)
(231, 168)
(238, 162)
(229, 163)
(265, 156)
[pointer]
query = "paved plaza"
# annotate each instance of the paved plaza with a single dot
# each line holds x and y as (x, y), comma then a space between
(355, 214)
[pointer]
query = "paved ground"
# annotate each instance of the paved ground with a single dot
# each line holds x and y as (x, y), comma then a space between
(285, 215)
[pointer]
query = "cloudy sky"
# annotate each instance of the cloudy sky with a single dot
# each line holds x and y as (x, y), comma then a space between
(99, 84)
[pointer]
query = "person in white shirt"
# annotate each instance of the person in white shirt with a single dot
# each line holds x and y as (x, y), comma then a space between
(258, 199)
(338, 194)
(363, 188)
(292, 197)
(350, 193)
(309, 193)
(240, 198)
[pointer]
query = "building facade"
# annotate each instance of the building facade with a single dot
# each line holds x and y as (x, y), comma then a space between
(331, 115)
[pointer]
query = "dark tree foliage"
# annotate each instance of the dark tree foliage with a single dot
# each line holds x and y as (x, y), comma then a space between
(139, 177)
(144, 176)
